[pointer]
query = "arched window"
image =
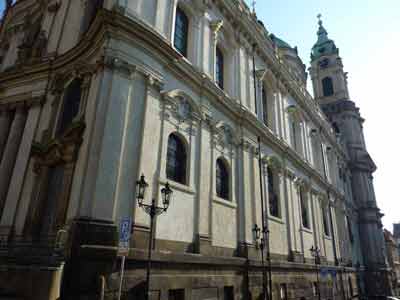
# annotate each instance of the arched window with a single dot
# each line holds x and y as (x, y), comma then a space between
(181, 31)
(273, 198)
(70, 106)
(176, 159)
(219, 68)
(304, 210)
(327, 86)
(222, 180)
(265, 105)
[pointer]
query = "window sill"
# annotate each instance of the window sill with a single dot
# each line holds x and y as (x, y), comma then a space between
(178, 186)
(276, 219)
(224, 202)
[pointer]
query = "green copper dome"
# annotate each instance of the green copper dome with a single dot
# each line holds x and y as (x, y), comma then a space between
(324, 46)
(279, 42)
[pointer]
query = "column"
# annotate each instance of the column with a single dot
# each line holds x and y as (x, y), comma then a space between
(21, 164)
(10, 153)
(5, 120)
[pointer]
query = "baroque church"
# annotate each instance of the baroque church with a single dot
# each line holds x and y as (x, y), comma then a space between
(272, 188)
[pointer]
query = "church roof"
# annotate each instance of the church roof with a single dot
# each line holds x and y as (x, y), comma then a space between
(279, 42)
(324, 45)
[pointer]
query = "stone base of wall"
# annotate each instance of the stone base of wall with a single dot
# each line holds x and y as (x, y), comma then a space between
(193, 277)
(33, 283)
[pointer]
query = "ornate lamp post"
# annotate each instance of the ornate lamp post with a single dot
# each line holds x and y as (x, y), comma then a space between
(257, 236)
(153, 211)
(316, 252)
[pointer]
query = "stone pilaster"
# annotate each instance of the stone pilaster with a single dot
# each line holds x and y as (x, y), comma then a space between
(21, 162)
(5, 121)
(10, 153)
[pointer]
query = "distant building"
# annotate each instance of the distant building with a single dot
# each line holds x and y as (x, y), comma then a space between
(393, 257)
(94, 93)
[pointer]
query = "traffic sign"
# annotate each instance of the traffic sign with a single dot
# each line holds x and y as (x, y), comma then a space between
(124, 235)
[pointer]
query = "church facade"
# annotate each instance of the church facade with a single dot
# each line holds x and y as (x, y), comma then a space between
(199, 95)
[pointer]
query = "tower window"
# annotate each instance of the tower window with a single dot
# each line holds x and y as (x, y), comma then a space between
(181, 32)
(222, 180)
(176, 159)
(327, 86)
(219, 68)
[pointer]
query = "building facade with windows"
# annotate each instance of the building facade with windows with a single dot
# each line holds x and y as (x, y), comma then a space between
(94, 94)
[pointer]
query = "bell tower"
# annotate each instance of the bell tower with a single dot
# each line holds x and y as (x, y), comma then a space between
(327, 75)
(331, 92)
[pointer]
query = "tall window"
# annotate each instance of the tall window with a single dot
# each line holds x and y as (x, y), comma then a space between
(350, 230)
(304, 209)
(325, 221)
(181, 32)
(265, 105)
(176, 159)
(294, 134)
(327, 86)
(272, 195)
(219, 68)
(222, 180)
(70, 105)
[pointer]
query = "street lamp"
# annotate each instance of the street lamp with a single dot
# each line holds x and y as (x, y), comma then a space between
(257, 236)
(316, 252)
(153, 211)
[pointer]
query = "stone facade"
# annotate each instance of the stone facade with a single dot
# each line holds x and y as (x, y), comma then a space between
(393, 257)
(91, 92)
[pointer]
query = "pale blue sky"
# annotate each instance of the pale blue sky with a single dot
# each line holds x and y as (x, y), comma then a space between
(368, 35)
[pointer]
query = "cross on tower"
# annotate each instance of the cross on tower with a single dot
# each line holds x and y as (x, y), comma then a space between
(319, 16)
(253, 4)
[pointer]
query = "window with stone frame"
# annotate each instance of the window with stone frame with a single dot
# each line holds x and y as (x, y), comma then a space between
(327, 86)
(222, 179)
(70, 105)
(176, 159)
(219, 67)
(264, 97)
(325, 220)
(305, 218)
(181, 36)
(273, 197)
(350, 229)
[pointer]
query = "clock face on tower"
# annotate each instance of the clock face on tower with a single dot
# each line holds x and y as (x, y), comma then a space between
(324, 63)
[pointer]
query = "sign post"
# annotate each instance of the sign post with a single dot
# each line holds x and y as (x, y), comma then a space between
(123, 247)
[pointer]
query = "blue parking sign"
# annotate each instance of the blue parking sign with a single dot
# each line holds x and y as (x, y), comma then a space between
(125, 234)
